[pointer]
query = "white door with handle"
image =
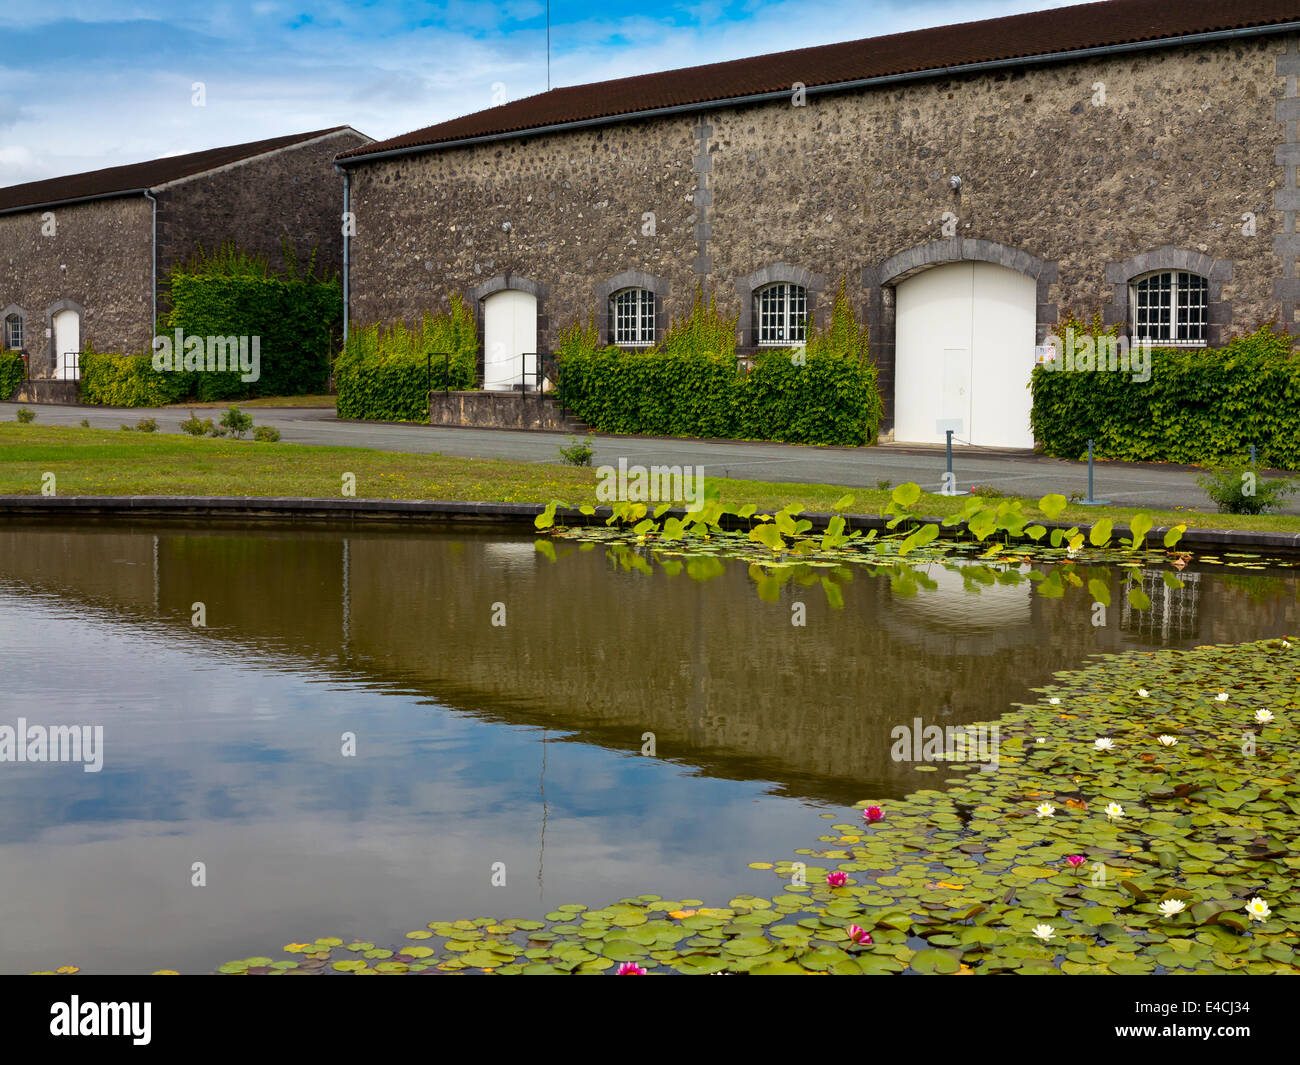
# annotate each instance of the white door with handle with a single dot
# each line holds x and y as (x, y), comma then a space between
(964, 349)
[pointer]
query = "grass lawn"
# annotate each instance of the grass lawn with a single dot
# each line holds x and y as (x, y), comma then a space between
(108, 462)
(263, 401)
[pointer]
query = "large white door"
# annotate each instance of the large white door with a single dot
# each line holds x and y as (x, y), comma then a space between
(67, 343)
(509, 333)
(964, 350)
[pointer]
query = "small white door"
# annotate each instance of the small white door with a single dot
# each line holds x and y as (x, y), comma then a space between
(964, 348)
(67, 345)
(509, 334)
(956, 386)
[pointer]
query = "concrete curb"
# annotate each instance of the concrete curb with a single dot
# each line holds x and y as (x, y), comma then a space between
(306, 509)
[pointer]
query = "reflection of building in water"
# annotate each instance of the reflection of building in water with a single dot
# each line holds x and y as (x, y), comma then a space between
(963, 615)
(1174, 612)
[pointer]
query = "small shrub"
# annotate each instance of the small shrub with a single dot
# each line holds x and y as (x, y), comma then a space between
(884, 484)
(146, 425)
(578, 453)
(126, 428)
(196, 426)
(1239, 490)
(267, 434)
(25, 415)
(215, 430)
(987, 491)
(85, 423)
(236, 422)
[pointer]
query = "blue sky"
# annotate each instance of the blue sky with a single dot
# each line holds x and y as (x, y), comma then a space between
(85, 85)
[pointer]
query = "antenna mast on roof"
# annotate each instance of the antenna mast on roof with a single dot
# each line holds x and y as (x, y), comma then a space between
(548, 45)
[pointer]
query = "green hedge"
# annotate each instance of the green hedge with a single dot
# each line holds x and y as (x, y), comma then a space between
(115, 380)
(690, 385)
(1199, 406)
(298, 322)
(383, 374)
(12, 372)
(297, 317)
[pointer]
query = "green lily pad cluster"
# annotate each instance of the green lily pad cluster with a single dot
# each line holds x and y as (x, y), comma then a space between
(998, 546)
(1168, 849)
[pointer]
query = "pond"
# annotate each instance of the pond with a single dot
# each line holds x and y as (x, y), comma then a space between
(374, 727)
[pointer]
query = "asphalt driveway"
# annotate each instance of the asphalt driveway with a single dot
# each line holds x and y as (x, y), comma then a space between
(1141, 485)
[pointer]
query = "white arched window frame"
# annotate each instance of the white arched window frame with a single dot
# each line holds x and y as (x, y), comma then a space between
(632, 315)
(13, 332)
(1170, 307)
(781, 311)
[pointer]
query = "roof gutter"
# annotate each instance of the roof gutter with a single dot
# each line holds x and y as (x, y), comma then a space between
(76, 199)
(839, 86)
(153, 324)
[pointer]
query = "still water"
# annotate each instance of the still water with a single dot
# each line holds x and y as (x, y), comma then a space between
(474, 743)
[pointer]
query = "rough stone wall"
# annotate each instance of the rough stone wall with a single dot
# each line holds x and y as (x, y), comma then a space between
(432, 224)
(98, 261)
(294, 193)
(1180, 147)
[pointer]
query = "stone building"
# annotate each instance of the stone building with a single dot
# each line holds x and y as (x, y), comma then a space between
(82, 257)
(972, 185)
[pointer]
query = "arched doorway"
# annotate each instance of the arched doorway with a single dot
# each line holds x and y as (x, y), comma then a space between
(67, 344)
(509, 340)
(964, 354)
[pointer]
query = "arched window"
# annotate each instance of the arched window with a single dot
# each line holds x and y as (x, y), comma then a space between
(632, 314)
(781, 311)
(13, 332)
(1170, 307)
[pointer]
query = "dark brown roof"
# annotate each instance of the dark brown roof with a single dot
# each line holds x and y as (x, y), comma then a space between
(1038, 33)
(116, 180)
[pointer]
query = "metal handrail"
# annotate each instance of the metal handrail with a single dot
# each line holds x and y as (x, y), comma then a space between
(545, 364)
(429, 356)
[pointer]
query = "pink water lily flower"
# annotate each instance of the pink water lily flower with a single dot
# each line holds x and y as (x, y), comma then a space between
(837, 879)
(630, 968)
(1076, 860)
(859, 935)
(873, 813)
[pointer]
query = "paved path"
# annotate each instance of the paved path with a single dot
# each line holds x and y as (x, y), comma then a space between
(1155, 486)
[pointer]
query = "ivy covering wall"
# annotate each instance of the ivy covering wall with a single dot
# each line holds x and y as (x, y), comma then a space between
(12, 372)
(1200, 405)
(689, 384)
(297, 317)
(386, 373)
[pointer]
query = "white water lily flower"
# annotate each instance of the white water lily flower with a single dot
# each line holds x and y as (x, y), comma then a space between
(1054, 701)
(1286, 645)
(1172, 906)
(1258, 910)
(1143, 692)
(1167, 741)
(1104, 744)
(1263, 716)
(1045, 932)
(1114, 810)
(1222, 697)
(1039, 742)
(1046, 809)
